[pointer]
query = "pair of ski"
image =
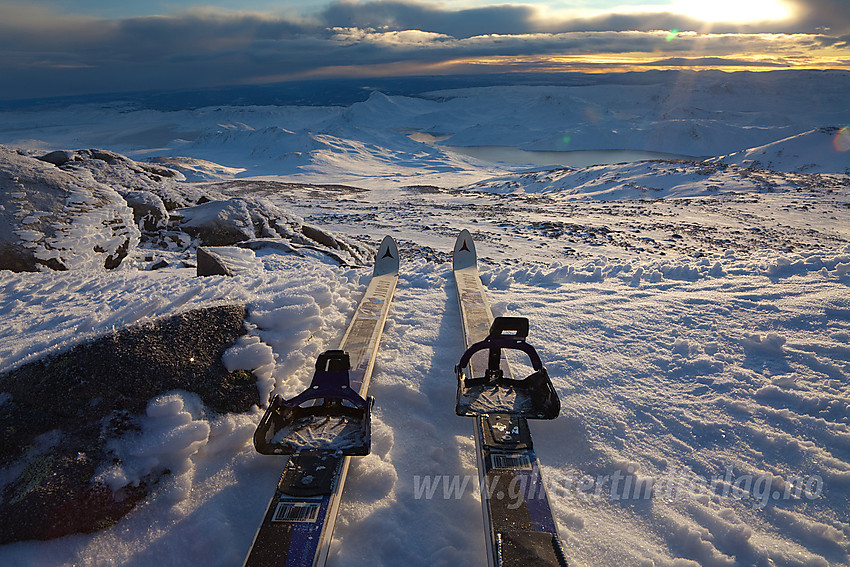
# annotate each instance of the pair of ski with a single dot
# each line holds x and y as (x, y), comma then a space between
(330, 422)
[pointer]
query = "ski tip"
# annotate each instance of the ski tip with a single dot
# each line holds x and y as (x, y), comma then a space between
(464, 255)
(387, 260)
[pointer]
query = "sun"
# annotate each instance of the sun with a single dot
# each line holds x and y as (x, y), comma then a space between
(734, 10)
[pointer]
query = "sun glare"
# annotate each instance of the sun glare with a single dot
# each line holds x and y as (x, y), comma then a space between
(734, 10)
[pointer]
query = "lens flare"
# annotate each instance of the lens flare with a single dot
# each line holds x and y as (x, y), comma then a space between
(592, 114)
(671, 35)
(842, 139)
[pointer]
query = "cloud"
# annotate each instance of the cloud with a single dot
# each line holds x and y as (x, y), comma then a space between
(396, 39)
(511, 19)
(398, 15)
(48, 54)
(842, 42)
(709, 62)
(822, 15)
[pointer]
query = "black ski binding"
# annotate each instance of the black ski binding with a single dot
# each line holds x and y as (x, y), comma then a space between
(533, 397)
(341, 423)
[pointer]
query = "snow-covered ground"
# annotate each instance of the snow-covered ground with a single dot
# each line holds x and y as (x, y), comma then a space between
(694, 317)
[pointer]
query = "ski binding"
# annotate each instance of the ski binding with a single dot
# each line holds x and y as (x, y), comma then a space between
(340, 424)
(533, 397)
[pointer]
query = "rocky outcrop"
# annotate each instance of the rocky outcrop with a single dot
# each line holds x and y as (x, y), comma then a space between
(258, 224)
(58, 219)
(84, 209)
(126, 175)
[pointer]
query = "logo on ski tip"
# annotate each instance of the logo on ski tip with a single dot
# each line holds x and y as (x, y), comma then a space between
(387, 254)
(464, 247)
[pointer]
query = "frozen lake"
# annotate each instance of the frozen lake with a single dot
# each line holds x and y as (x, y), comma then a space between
(576, 158)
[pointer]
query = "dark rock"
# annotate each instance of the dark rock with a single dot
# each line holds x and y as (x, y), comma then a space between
(58, 414)
(210, 264)
(328, 240)
(53, 497)
(16, 258)
(320, 236)
(60, 157)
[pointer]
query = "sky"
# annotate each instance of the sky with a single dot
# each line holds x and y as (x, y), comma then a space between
(54, 48)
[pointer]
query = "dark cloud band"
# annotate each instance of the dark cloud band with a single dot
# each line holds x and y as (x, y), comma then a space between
(44, 54)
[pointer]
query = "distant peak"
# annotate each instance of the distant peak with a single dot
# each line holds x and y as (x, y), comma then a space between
(378, 95)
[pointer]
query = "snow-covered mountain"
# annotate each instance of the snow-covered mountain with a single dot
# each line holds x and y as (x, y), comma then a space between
(699, 115)
(694, 316)
(654, 180)
(822, 150)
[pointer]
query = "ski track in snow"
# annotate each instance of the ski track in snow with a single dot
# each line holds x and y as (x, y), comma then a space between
(691, 340)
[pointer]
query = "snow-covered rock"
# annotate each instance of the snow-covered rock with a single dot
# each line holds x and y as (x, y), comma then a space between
(126, 175)
(60, 219)
(226, 261)
(218, 223)
(148, 210)
(136, 174)
(89, 450)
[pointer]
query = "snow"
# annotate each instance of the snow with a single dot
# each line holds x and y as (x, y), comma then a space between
(694, 319)
(168, 438)
(801, 153)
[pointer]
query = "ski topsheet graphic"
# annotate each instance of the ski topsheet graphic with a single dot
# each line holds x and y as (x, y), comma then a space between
(520, 530)
(321, 428)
